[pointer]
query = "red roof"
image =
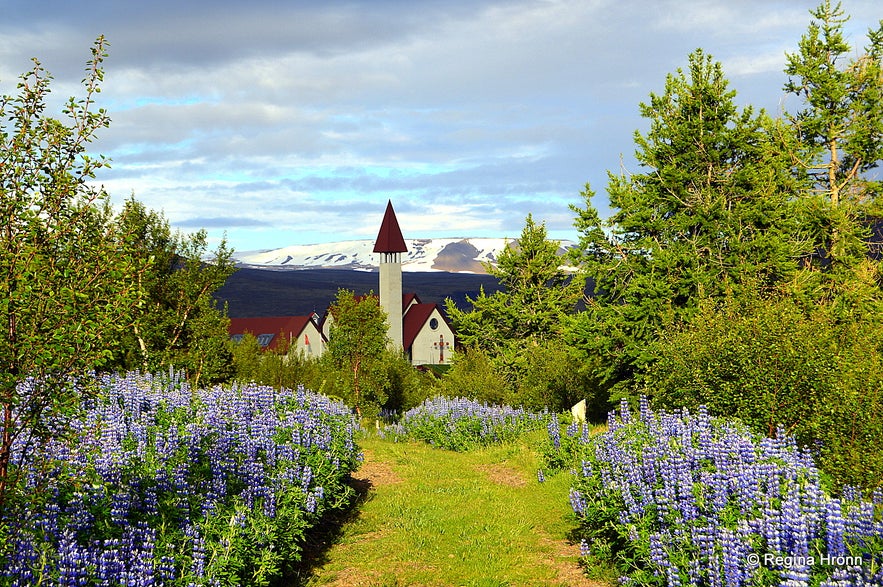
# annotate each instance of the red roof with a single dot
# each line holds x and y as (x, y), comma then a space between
(407, 299)
(390, 239)
(268, 329)
(414, 320)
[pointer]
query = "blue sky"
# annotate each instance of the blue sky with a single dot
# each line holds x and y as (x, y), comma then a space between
(280, 123)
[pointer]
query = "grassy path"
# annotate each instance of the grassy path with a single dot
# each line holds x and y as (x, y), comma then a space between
(439, 518)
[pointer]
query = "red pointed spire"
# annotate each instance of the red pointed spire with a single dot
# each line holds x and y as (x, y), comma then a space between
(390, 239)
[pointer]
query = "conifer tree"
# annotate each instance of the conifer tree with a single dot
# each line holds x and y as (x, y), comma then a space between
(710, 212)
(537, 294)
(838, 125)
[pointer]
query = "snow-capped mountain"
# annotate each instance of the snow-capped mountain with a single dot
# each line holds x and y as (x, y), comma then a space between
(463, 255)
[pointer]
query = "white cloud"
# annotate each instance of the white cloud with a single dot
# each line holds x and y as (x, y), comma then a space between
(301, 117)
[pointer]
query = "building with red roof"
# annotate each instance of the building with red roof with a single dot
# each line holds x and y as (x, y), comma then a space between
(427, 336)
(301, 333)
(420, 330)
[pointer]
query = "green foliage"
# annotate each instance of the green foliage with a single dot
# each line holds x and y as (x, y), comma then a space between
(277, 367)
(778, 367)
(355, 352)
(67, 285)
(399, 385)
(552, 377)
(473, 374)
(544, 375)
(537, 295)
(247, 360)
(712, 211)
(406, 386)
(513, 335)
(729, 210)
(840, 122)
(178, 325)
(838, 127)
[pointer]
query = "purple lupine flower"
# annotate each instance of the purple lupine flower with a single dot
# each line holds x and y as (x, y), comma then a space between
(152, 440)
(584, 548)
(456, 423)
(577, 502)
(702, 476)
(834, 528)
(554, 429)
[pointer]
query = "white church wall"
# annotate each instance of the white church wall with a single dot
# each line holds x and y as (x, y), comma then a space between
(310, 342)
(434, 343)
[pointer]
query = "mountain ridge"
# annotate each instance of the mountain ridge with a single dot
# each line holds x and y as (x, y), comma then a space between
(447, 255)
(252, 292)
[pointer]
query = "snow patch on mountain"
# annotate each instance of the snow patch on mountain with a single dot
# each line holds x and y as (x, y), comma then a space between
(454, 255)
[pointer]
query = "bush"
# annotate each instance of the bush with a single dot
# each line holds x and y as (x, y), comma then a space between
(775, 366)
(475, 376)
(276, 367)
(549, 377)
(171, 486)
(406, 386)
(460, 423)
(677, 499)
(536, 375)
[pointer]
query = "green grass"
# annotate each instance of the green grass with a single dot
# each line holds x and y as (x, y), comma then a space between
(436, 517)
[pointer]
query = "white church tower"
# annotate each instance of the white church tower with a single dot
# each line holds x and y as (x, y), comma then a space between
(390, 245)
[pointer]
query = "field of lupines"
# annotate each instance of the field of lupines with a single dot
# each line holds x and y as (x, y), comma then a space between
(165, 485)
(679, 499)
(460, 423)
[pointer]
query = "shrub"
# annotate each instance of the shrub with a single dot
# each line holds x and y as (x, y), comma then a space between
(164, 485)
(460, 423)
(774, 365)
(475, 376)
(278, 367)
(535, 375)
(677, 499)
(406, 386)
(548, 376)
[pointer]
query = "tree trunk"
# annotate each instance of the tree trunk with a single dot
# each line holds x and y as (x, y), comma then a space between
(5, 453)
(143, 346)
(832, 173)
(357, 393)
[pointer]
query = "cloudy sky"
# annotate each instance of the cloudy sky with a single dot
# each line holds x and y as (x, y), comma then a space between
(280, 123)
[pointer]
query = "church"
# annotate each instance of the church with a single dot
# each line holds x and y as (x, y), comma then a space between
(420, 330)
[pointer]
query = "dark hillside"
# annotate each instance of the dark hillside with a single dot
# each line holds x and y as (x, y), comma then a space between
(263, 292)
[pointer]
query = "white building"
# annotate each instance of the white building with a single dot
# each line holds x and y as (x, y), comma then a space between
(421, 330)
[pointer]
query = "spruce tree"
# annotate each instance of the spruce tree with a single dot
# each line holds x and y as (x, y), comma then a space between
(839, 121)
(838, 126)
(537, 294)
(710, 212)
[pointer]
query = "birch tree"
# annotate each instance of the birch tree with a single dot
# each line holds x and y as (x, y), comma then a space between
(68, 284)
